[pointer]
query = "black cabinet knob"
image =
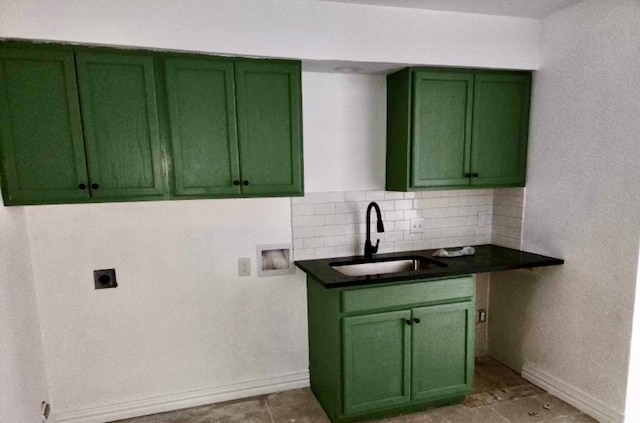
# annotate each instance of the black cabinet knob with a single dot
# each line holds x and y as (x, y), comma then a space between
(245, 183)
(416, 320)
(236, 182)
(408, 322)
(472, 175)
(82, 186)
(95, 186)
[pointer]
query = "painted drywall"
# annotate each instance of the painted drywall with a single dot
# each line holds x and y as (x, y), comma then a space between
(632, 411)
(344, 124)
(283, 28)
(22, 372)
(573, 323)
(181, 320)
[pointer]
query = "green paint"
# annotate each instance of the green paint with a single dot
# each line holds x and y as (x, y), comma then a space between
(41, 142)
(366, 361)
(445, 125)
(145, 125)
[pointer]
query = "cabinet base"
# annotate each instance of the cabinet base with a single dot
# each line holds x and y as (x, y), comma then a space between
(399, 410)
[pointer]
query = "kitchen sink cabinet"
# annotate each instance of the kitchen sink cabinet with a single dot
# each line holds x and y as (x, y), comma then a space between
(81, 124)
(456, 128)
(391, 348)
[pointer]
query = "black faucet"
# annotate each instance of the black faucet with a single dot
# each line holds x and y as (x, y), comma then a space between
(369, 249)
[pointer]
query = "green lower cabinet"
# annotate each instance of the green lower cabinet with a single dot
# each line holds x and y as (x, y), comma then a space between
(442, 362)
(377, 353)
(390, 349)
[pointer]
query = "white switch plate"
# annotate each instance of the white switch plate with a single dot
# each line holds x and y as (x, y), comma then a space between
(417, 226)
(244, 266)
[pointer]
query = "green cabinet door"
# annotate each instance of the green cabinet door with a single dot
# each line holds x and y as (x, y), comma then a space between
(500, 128)
(41, 144)
(376, 354)
(120, 120)
(269, 127)
(441, 128)
(442, 356)
(202, 119)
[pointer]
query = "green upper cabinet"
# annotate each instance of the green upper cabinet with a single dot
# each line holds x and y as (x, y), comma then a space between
(120, 120)
(456, 128)
(202, 120)
(41, 144)
(500, 128)
(269, 127)
(81, 124)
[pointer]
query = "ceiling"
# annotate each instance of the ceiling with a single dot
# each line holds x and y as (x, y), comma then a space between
(536, 9)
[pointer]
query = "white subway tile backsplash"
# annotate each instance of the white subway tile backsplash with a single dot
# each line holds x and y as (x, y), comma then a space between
(393, 195)
(328, 208)
(354, 196)
(333, 223)
(333, 197)
(374, 195)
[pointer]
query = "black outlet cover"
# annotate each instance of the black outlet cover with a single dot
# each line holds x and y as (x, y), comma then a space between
(105, 278)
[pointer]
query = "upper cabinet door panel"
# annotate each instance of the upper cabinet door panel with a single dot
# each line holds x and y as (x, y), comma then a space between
(41, 141)
(269, 127)
(442, 128)
(120, 119)
(202, 121)
(500, 128)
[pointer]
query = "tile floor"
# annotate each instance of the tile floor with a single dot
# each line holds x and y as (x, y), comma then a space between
(499, 396)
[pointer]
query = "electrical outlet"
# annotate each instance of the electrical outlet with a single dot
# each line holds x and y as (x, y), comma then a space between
(417, 226)
(482, 315)
(244, 266)
(104, 278)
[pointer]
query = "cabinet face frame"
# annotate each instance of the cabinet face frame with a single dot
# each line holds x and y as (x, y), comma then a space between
(57, 68)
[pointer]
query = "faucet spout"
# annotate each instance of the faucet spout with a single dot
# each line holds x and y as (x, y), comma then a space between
(369, 249)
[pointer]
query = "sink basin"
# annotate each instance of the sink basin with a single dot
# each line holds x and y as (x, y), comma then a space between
(384, 266)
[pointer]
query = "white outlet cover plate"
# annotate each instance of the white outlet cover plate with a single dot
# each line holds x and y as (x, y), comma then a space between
(417, 226)
(244, 266)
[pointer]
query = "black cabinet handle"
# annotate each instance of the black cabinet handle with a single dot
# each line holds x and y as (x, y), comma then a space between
(82, 186)
(95, 186)
(245, 183)
(236, 182)
(416, 320)
(408, 322)
(472, 175)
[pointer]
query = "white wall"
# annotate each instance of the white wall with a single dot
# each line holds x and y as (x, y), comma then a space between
(344, 123)
(180, 321)
(22, 375)
(182, 326)
(283, 28)
(632, 410)
(573, 323)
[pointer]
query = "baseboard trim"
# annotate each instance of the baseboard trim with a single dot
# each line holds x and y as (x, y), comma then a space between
(178, 401)
(571, 395)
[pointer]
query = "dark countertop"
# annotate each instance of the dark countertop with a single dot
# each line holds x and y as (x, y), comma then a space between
(487, 258)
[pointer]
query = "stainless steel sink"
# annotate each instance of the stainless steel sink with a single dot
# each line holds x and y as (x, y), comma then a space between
(385, 266)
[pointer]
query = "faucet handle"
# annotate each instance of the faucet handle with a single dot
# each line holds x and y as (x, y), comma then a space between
(375, 249)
